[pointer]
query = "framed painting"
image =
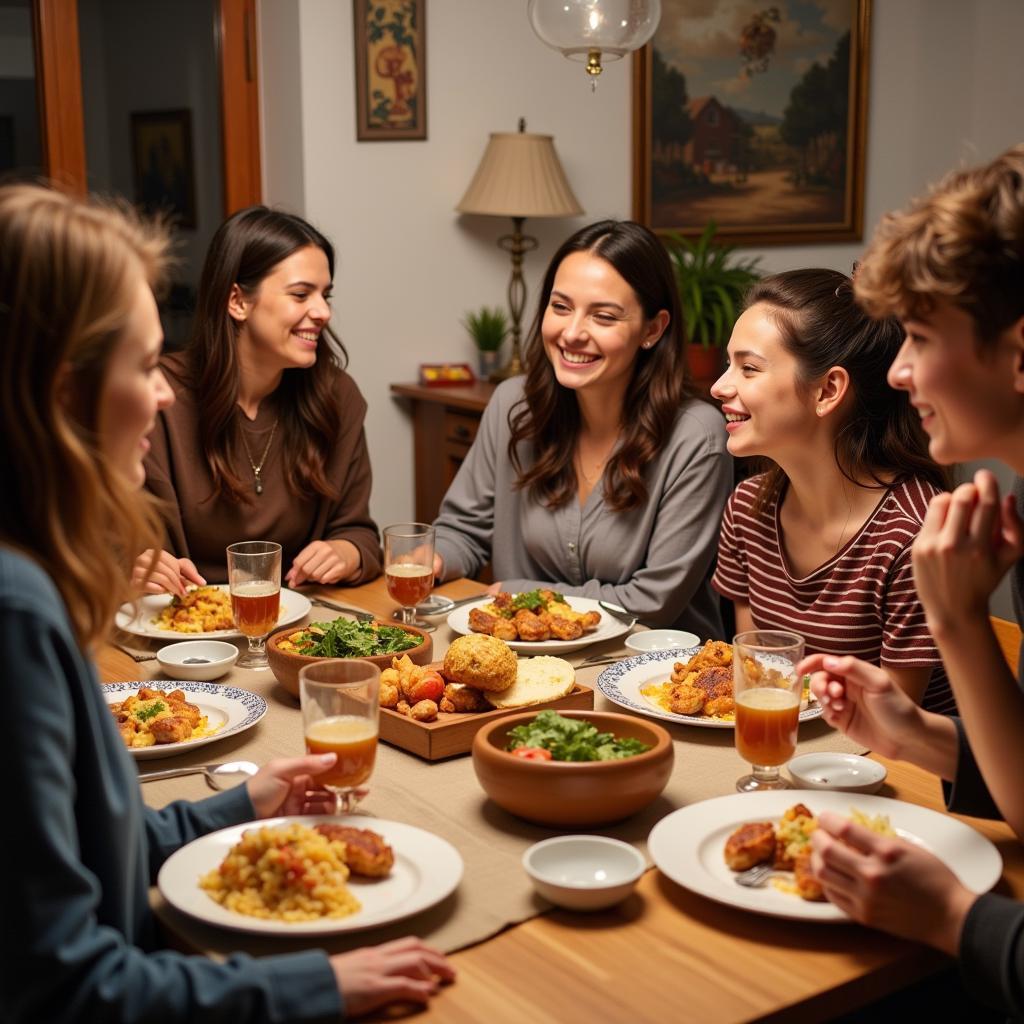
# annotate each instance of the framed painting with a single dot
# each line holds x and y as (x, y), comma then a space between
(165, 177)
(391, 69)
(753, 115)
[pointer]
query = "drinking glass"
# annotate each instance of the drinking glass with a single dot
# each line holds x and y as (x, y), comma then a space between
(340, 714)
(767, 690)
(254, 579)
(409, 567)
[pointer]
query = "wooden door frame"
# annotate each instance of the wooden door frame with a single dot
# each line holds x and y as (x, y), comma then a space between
(62, 117)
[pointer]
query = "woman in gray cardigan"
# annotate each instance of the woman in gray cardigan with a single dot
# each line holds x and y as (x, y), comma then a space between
(598, 472)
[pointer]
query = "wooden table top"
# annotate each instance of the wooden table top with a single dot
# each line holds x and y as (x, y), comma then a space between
(666, 953)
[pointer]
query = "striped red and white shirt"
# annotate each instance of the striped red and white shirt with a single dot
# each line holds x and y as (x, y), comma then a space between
(861, 602)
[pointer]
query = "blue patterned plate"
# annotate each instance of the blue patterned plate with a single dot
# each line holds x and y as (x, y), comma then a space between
(621, 683)
(229, 710)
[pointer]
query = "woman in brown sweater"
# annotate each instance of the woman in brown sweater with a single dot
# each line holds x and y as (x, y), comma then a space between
(266, 437)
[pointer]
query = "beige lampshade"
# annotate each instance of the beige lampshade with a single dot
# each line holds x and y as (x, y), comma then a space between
(520, 176)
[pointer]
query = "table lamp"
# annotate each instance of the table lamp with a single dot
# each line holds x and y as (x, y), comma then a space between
(519, 176)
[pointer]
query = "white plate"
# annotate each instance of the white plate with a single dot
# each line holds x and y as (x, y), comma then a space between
(427, 868)
(826, 769)
(609, 628)
(688, 846)
(621, 683)
(232, 709)
(138, 618)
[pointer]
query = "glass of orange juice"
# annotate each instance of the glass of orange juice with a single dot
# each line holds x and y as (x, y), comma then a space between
(254, 579)
(409, 567)
(767, 691)
(340, 714)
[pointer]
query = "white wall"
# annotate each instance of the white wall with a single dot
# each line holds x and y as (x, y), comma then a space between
(945, 87)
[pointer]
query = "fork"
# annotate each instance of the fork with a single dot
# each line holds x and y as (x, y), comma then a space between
(755, 877)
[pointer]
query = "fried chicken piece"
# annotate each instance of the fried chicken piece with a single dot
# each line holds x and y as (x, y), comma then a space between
(531, 627)
(503, 601)
(389, 693)
(172, 729)
(127, 729)
(463, 699)
(563, 628)
(590, 621)
(147, 693)
(423, 711)
(366, 853)
(714, 654)
(807, 885)
(182, 709)
(505, 629)
(482, 622)
(681, 674)
(686, 700)
(750, 844)
(720, 707)
(715, 682)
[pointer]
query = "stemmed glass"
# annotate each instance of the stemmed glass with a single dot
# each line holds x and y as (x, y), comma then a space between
(409, 567)
(340, 714)
(254, 579)
(767, 691)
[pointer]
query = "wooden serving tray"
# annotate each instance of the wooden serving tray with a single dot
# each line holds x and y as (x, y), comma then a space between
(453, 732)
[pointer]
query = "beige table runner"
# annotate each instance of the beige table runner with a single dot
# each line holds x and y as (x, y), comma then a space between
(445, 798)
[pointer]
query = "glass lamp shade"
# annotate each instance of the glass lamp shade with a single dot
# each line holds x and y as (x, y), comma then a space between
(578, 28)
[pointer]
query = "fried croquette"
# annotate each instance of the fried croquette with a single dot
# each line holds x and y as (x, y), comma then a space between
(750, 844)
(807, 885)
(686, 700)
(423, 711)
(480, 661)
(463, 699)
(389, 693)
(366, 853)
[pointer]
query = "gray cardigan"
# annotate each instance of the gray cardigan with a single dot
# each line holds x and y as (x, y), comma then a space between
(654, 560)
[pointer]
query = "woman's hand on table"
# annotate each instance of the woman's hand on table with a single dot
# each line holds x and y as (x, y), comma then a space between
(888, 883)
(170, 575)
(324, 561)
(405, 969)
(287, 786)
(968, 541)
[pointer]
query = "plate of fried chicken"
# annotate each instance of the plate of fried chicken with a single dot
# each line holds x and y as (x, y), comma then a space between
(538, 622)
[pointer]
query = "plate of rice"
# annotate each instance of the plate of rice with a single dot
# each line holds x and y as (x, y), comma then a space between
(203, 614)
(282, 877)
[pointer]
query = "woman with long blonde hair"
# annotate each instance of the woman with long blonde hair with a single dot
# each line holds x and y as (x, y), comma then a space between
(79, 364)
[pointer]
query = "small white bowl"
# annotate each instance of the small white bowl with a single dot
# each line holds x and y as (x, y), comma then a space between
(583, 872)
(218, 657)
(848, 773)
(661, 640)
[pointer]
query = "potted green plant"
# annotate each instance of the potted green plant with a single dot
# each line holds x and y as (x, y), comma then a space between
(488, 329)
(711, 283)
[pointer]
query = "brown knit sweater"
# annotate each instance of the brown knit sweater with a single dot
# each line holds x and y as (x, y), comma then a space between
(200, 526)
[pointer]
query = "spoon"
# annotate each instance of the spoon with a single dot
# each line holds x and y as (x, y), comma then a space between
(218, 776)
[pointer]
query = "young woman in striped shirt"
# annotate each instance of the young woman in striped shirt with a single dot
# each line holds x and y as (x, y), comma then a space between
(820, 542)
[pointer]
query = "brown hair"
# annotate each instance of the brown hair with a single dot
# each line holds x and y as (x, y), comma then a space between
(962, 242)
(244, 250)
(69, 273)
(548, 415)
(821, 326)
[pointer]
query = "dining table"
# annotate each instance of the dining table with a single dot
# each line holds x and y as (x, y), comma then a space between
(665, 953)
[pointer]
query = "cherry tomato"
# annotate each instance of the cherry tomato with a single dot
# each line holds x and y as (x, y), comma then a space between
(532, 753)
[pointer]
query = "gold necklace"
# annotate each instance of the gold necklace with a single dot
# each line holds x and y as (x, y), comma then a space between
(257, 468)
(598, 469)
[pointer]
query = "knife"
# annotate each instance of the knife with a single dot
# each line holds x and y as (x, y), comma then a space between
(359, 614)
(617, 612)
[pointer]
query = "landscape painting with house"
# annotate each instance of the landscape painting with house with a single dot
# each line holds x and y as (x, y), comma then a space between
(751, 119)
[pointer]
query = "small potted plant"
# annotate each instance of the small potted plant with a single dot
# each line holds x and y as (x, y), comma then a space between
(711, 283)
(488, 329)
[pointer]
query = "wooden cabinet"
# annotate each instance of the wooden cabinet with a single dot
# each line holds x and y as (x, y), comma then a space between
(445, 422)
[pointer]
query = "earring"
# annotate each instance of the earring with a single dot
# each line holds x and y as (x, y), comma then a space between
(820, 410)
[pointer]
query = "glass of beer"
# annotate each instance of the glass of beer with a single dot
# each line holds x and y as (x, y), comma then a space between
(767, 690)
(340, 714)
(254, 579)
(409, 567)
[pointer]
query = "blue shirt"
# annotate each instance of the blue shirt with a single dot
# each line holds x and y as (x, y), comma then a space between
(80, 850)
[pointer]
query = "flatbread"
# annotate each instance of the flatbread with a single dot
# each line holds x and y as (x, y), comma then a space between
(538, 680)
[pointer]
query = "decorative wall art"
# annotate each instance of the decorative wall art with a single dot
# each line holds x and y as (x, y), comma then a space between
(753, 115)
(165, 177)
(391, 69)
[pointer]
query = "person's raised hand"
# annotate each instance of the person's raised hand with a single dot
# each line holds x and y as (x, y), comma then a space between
(287, 785)
(887, 883)
(404, 970)
(967, 542)
(169, 575)
(862, 701)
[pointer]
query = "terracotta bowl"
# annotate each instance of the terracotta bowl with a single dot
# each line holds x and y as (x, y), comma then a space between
(285, 664)
(575, 792)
